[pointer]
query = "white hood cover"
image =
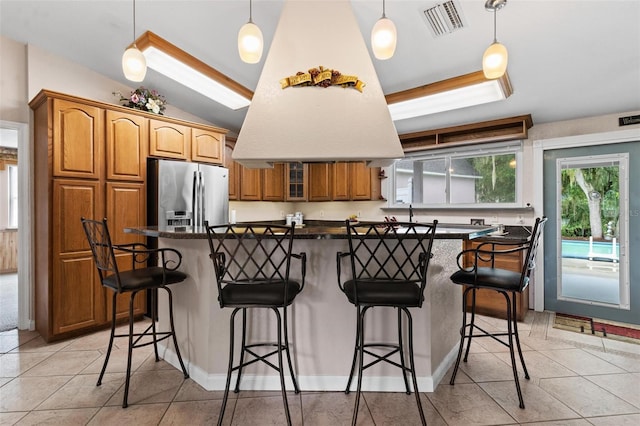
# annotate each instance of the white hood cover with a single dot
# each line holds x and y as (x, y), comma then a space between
(316, 124)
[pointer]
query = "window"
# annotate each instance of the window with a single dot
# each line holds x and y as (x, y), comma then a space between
(460, 177)
(13, 196)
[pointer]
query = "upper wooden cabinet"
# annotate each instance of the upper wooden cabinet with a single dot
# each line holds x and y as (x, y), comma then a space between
(320, 178)
(234, 171)
(360, 177)
(250, 184)
(273, 183)
(78, 139)
(341, 182)
(127, 144)
(296, 182)
(170, 140)
(207, 146)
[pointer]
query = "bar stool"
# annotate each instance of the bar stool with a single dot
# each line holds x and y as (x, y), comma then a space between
(252, 263)
(133, 281)
(503, 281)
(388, 265)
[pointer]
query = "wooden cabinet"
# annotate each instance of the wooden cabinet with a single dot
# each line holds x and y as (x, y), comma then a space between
(273, 183)
(8, 250)
(320, 178)
(234, 172)
(127, 138)
(207, 146)
(78, 138)
(250, 184)
(360, 181)
(492, 303)
(90, 160)
(169, 140)
(295, 182)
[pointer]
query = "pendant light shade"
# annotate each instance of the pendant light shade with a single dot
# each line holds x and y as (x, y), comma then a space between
(384, 37)
(494, 61)
(496, 57)
(250, 42)
(134, 64)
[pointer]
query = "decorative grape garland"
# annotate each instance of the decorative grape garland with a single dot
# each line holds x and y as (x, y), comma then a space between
(322, 77)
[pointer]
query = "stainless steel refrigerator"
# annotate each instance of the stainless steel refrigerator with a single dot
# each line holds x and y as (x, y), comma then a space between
(183, 195)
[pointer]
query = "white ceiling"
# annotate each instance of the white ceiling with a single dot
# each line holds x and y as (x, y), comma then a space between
(567, 59)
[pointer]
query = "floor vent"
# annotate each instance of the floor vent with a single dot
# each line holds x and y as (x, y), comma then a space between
(444, 18)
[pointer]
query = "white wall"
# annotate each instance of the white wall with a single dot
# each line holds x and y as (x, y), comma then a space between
(13, 81)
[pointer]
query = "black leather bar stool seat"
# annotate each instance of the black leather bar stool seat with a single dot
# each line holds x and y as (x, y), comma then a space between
(252, 264)
(388, 265)
(503, 281)
(139, 278)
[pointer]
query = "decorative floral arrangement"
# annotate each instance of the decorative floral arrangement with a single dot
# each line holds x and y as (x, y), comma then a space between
(322, 77)
(145, 100)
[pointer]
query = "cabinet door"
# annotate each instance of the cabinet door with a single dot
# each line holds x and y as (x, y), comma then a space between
(207, 146)
(341, 181)
(360, 182)
(250, 184)
(320, 176)
(126, 207)
(127, 141)
(273, 183)
(296, 182)
(78, 140)
(169, 140)
(234, 173)
(77, 295)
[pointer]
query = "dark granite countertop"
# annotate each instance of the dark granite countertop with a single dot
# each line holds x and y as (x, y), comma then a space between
(317, 230)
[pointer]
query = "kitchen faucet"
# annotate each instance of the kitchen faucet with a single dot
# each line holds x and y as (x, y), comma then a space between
(410, 213)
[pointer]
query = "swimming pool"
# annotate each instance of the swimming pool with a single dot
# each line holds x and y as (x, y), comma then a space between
(608, 251)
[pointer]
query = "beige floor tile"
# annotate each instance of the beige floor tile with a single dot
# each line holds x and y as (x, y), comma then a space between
(619, 346)
(12, 339)
(461, 377)
(538, 365)
(624, 420)
(624, 386)
(26, 393)
(5, 380)
(191, 391)
(118, 361)
(541, 344)
(139, 415)
(64, 363)
(539, 405)
(15, 364)
(582, 339)
(39, 345)
(266, 411)
(150, 386)
(193, 413)
(82, 392)
(493, 346)
(586, 398)
(628, 362)
(7, 419)
(98, 341)
(581, 361)
(150, 364)
(333, 408)
(575, 422)
(486, 367)
(476, 348)
(76, 416)
(466, 404)
(398, 408)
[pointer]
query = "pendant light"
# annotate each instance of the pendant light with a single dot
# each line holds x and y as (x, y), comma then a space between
(384, 37)
(250, 41)
(495, 58)
(134, 65)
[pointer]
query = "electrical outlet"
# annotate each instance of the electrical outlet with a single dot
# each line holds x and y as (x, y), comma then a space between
(321, 213)
(520, 220)
(494, 219)
(359, 213)
(282, 214)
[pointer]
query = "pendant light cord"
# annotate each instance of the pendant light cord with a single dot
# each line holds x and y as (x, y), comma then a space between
(383, 9)
(250, 11)
(495, 38)
(134, 21)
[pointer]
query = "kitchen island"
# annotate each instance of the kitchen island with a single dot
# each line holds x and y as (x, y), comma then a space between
(322, 322)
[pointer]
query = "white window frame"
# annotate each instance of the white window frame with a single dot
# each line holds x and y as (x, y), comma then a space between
(515, 147)
(12, 196)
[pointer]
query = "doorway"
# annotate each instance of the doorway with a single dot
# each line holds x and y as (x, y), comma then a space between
(587, 240)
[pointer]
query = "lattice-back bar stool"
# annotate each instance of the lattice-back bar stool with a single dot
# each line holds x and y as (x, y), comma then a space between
(252, 264)
(503, 281)
(388, 264)
(137, 279)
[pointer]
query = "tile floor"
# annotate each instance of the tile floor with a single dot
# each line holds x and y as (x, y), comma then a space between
(575, 380)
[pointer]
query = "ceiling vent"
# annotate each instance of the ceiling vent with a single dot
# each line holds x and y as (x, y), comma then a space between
(444, 18)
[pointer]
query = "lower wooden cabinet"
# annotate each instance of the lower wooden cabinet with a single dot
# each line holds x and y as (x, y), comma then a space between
(492, 303)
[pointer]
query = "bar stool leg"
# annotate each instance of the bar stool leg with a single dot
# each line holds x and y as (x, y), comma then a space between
(125, 403)
(280, 367)
(355, 351)
(360, 334)
(472, 324)
(154, 317)
(401, 351)
(113, 332)
(515, 331)
(173, 332)
(413, 367)
(463, 331)
(286, 347)
(513, 356)
(230, 366)
(243, 344)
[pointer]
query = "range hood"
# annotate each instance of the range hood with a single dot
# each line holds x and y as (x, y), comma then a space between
(313, 123)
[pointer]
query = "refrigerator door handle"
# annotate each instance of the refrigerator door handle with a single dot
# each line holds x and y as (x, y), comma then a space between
(202, 200)
(194, 199)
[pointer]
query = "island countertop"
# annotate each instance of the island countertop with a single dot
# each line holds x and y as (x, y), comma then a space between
(315, 230)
